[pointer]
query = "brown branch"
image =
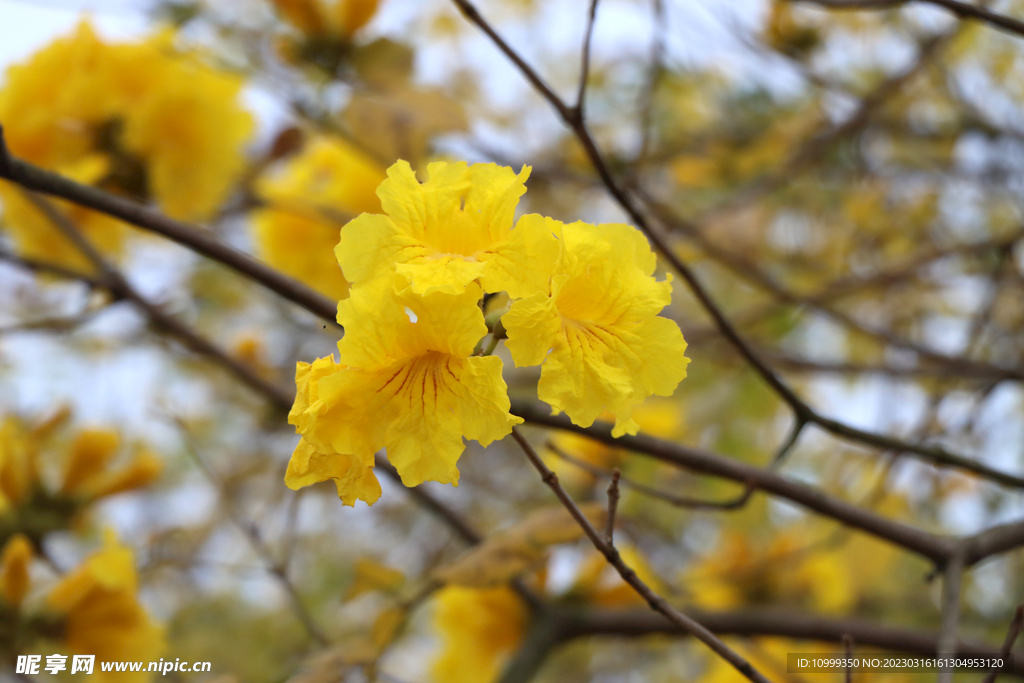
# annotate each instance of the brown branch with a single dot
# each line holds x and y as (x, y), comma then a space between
(657, 603)
(960, 9)
(952, 581)
(1011, 636)
(613, 506)
(931, 546)
(197, 239)
(581, 95)
(112, 279)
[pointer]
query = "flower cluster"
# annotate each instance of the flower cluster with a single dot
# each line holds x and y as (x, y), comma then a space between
(410, 377)
(136, 118)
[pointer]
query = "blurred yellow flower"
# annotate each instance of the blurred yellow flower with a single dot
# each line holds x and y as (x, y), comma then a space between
(31, 506)
(101, 613)
(450, 231)
(134, 118)
(596, 329)
(321, 188)
(341, 18)
(479, 628)
(745, 571)
(406, 381)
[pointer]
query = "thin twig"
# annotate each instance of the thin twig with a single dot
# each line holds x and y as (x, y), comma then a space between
(657, 603)
(276, 567)
(961, 9)
(1007, 648)
(613, 505)
(581, 95)
(112, 279)
(929, 545)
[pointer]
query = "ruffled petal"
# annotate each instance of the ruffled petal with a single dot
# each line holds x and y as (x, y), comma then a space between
(371, 244)
(353, 479)
(587, 372)
(533, 325)
(482, 406)
(522, 264)
(443, 273)
(386, 323)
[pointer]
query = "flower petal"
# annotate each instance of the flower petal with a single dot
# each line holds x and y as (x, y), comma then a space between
(523, 263)
(353, 479)
(533, 326)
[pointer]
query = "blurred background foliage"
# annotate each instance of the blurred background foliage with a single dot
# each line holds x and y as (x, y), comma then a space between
(847, 183)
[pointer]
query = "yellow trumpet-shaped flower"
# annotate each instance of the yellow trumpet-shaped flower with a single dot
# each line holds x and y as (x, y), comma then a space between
(596, 329)
(407, 381)
(320, 189)
(450, 231)
(101, 613)
(479, 628)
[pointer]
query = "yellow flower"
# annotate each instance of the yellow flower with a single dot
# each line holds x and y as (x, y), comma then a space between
(101, 613)
(136, 118)
(187, 126)
(327, 184)
(596, 328)
(450, 231)
(407, 382)
(479, 628)
(341, 17)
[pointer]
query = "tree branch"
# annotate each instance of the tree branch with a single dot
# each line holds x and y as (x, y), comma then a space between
(657, 603)
(197, 239)
(960, 9)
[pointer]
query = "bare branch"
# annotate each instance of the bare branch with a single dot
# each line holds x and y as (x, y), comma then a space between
(1011, 636)
(197, 239)
(931, 546)
(581, 95)
(113, 280)
(657, 603)
(961, 9)
(613, 504)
